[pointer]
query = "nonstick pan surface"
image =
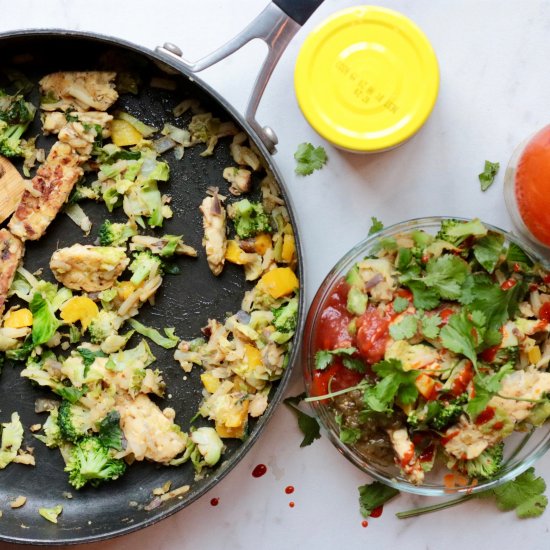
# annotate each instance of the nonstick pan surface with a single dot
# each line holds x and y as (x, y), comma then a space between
(184, 301)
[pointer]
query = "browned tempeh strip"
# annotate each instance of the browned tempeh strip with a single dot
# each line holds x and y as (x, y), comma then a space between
(11, 252)
(51, 187)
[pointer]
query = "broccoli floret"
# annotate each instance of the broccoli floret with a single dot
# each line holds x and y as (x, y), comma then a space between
(435, 415)
(115, 234)
(73, 421)
(250, 219)
(284, 317)
(91, 462)
(143, 264)
(15, 116)
(448, 414)
(486, 465)
(456, 231)
(103, 325)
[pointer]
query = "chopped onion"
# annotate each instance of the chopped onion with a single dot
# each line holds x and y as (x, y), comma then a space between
(43, 405)
(178, 152)
(378, 278)
(179, 135)
(164, 144)
(75, 212)
(184, 106)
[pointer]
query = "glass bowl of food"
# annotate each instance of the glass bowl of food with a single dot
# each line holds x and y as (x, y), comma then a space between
(425, 356)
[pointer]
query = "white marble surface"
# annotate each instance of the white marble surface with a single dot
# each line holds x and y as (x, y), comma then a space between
(494, 92)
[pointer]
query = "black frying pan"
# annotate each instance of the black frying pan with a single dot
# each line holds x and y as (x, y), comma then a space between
(184, 301)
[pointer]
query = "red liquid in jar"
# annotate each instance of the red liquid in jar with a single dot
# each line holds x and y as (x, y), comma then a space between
(532, 186)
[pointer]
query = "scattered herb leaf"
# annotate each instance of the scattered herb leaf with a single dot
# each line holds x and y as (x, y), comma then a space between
(487, 177)
(309, 158)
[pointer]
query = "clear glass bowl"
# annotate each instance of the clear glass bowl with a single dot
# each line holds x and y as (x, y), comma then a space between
(522, 449)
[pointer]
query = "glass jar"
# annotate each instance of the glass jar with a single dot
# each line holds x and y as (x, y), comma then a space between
(527, 188)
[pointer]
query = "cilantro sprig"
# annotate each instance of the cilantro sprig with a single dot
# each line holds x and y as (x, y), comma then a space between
(524, 494)
(309, 158)
(309, 426)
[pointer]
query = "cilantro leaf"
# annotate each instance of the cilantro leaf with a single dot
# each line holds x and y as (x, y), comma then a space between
(480, 293)
(373, 495)
(354, 364)
(458, 336)
(405, 329)
(324, 357)
(487, 177)
(532, 507)
(516, 254)
(423, 297)
(400, 304)
(309, 158)
(376, 226)
(394, 383)
(88, 357)
(430, 326)
(446, 275)
(308, 424)
(485, 388)
(488, 249)
(110, 433)
(347, 435)
(520, 492)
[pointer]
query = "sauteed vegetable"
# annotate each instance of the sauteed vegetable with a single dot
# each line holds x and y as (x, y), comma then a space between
(79, 337)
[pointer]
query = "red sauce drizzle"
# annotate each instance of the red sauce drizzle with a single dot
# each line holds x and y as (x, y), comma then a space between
(365, 523)
(291, 504)
(259, 470)
(377, 512)
(485, 416)
(544, 312)
(215, 501)
(289, 490)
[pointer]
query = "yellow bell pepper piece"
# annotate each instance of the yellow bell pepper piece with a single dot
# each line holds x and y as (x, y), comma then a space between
(210, 382)
(238, 417)
(289, 248)
(123, 133)
(223, 431)
(124, 289)
(279, 282)
(534, 355)
(18, 319)
(79, 308)
(262, 243)
(253, 356)
(233, 253)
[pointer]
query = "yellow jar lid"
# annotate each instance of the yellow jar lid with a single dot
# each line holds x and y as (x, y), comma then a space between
(366, 79)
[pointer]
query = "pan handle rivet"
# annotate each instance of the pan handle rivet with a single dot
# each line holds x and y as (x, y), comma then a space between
(172, 48)
(271, 135)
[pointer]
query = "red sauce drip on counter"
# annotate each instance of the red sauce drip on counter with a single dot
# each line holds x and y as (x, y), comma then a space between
(289, 490)
(215, 501)
(365, 523)
(485, 416)
(532, 185)
(291, 504)
(377, 512)
(259, 470)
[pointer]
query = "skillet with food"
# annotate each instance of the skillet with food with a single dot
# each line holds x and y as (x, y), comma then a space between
(147, 491)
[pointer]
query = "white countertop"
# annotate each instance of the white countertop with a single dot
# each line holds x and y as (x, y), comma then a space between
(495, 91)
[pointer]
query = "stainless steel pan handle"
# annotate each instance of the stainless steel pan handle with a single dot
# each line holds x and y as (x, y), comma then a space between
(275, 25)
